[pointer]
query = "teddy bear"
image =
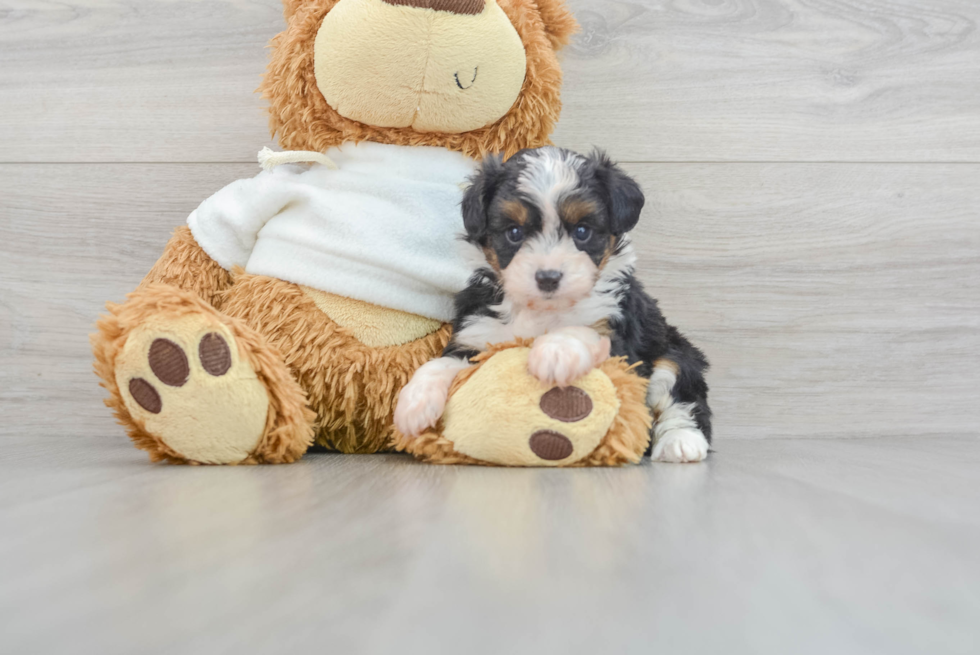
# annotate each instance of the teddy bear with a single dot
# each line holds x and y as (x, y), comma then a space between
(293, 307)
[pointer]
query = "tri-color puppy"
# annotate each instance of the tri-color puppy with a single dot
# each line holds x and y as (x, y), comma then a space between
(556, 265)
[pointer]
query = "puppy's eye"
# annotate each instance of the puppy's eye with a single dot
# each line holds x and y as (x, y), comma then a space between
(515, 234)
(582, 233)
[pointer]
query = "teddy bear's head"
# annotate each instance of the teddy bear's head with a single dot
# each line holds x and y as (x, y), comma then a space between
(477, 76)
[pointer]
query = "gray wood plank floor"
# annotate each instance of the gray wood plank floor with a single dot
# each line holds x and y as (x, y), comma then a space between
(784, 546)
(813, 168)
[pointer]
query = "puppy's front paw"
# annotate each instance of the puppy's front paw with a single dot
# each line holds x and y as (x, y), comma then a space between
(563, 357)
(683, 445)
(423, 400)
(420, 406)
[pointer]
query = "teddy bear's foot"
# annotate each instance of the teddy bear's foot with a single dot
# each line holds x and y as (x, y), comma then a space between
(505, 415)
(500, 413)
(194, 386)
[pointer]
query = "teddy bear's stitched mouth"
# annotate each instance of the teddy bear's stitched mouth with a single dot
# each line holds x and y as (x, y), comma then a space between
(460, 82)
(476, 71)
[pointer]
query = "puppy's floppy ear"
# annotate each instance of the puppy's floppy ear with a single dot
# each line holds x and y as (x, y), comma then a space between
(479, 195)
(559, 24)
(622, 194)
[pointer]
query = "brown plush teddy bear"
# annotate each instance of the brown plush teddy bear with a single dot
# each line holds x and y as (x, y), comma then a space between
(294, 306)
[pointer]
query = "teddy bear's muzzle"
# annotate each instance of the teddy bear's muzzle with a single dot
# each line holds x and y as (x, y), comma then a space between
(447, 66)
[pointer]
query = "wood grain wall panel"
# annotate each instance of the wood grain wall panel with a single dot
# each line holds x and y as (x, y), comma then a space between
(658, 80)
(834, 300)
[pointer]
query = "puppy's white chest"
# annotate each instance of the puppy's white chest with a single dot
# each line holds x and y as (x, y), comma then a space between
(486, 330)
(515, 324)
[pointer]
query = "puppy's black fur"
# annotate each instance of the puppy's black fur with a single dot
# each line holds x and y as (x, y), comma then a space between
(604, 204)
(643, 335)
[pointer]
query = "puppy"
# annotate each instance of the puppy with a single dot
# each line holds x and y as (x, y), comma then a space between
(556, 264)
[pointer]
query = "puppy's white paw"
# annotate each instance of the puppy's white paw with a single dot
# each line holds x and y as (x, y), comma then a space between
(683, 445)
(565, 356)
(423, 400)
(420, 406)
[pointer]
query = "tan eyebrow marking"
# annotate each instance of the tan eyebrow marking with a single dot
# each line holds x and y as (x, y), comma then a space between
(492, 258)
(575, 210)
(610, 251)
(603, 328)
(516, 211)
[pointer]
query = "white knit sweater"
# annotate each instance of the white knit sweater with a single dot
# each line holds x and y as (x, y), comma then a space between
(383, 228)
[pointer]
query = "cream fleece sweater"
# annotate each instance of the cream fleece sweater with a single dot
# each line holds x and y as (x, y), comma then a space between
(383, 228)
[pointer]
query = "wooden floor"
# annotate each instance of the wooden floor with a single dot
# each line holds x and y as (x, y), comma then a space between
(780, 546)
(813, 170)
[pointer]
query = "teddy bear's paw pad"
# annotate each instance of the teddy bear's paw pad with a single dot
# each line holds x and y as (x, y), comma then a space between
(215, 354)
(568, 405)
(551, 446)
(185, 382)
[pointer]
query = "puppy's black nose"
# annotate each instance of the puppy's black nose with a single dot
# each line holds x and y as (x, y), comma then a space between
(548, 281)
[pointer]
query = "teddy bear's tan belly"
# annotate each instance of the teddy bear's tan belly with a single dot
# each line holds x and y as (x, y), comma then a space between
(376, 327)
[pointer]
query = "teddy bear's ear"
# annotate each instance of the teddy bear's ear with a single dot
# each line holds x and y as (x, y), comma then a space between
(559, 23)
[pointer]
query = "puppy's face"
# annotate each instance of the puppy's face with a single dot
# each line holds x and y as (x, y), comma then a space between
(548, 221)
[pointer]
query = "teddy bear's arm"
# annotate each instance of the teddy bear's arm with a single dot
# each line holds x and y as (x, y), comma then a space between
(185, 265)
(225, 225)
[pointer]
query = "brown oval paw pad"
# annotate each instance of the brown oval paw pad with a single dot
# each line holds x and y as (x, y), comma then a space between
(215, 354)
(551, 446)
(145, 395)
(568, 405)
(169, 363)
